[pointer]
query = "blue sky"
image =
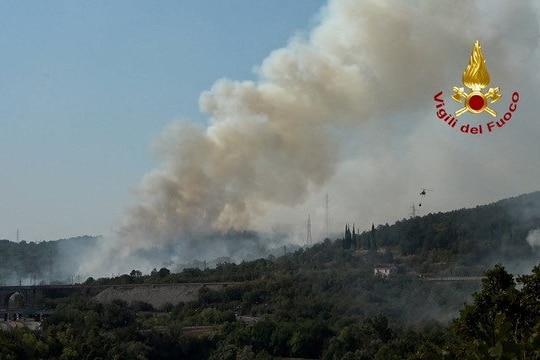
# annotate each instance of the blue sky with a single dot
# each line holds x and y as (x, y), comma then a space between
(86, 86)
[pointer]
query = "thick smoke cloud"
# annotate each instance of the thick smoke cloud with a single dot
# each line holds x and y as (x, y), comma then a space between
(347, 110)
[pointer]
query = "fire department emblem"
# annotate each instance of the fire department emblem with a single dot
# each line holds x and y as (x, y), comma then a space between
(476, 77)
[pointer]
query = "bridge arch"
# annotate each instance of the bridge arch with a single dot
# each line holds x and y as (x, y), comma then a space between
(14, 300)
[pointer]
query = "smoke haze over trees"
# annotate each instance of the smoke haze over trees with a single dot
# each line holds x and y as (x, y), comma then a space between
(460, 242)
(345, 107)
(323, 302)
(347, 110)
(30, 263)
(341, 108)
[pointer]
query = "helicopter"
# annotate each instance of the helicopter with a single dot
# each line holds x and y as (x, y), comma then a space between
(423, 193)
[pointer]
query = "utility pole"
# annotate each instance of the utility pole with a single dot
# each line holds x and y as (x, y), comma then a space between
(17, 235)
(309, 240)
(413, 211)
(50, 263)
(327, 218)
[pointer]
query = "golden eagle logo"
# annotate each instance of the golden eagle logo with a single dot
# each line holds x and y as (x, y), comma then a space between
(476, 78)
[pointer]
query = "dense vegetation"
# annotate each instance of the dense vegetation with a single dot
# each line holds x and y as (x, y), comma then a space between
(325, 302)
(486, 234)
(29, 263)
(502, 322)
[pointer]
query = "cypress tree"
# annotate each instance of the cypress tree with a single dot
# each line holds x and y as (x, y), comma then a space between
(372, 240)
(348, 239)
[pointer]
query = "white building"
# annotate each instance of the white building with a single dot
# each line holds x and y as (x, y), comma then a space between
(384, 270)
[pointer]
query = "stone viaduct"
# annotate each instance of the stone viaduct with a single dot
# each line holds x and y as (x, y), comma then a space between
(30, 297)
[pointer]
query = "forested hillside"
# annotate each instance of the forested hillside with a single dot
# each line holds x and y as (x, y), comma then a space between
(326, 302)
(31, 263)
(468, 238)
(460, 242)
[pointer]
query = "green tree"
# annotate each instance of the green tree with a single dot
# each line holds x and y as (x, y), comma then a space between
(500, 321)
(309, 339)
(530, 298)
(163, 272)
(347, 241)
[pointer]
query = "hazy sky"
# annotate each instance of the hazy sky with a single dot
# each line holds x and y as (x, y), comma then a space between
(346, 108)
(86, 86)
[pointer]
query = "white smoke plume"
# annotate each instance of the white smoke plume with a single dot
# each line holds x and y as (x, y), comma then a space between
(533, 239)
(348, 110)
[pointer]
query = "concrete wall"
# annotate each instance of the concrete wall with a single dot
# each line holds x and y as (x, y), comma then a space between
(156, 295)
